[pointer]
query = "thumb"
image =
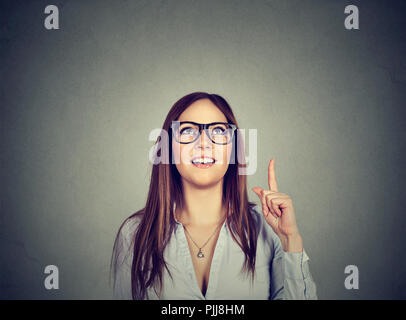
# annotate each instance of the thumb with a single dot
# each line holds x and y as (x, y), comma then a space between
(257, 190)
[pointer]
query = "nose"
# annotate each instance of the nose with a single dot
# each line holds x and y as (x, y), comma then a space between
(203, 141)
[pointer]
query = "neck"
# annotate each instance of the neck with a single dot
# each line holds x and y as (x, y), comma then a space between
(202, 206)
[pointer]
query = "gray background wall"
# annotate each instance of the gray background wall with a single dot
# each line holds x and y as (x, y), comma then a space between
(78, 103)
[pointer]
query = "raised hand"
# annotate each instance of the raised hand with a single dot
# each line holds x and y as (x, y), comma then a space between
(279, 213)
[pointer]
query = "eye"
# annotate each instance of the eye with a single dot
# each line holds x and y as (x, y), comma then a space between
(218, 130)
(188, 131)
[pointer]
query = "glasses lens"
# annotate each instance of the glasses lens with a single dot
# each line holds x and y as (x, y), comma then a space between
(187, 132)
(221, 133)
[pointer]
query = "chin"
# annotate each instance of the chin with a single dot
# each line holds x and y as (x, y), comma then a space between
(203, 181)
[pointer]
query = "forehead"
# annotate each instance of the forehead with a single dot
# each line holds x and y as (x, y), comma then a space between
(202, 111)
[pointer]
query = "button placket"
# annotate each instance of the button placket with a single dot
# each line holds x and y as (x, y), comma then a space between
(182, 241)
(214, 272)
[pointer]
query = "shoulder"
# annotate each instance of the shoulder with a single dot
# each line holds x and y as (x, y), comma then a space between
(128, 227)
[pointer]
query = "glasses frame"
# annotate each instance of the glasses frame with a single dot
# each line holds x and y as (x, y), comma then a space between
(205, 127)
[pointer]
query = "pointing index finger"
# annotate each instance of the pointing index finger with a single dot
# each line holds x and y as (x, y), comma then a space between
(273, 186)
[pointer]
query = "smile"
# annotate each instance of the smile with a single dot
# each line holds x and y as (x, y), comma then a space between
(203, 162)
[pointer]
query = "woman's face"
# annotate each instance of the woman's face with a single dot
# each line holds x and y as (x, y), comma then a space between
(202, 111)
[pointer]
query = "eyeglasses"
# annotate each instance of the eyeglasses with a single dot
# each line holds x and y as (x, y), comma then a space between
(188, 131)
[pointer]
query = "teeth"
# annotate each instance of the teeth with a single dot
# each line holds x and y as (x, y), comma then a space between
(203, 160)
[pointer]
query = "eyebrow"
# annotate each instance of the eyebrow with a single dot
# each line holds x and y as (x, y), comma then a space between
(202, 123)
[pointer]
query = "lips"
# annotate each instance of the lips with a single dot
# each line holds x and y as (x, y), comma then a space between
(203, 162)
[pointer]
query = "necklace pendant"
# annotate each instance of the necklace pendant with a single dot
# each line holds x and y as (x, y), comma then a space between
(200, 254)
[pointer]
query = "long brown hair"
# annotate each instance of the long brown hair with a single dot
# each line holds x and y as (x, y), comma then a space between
(156, 219)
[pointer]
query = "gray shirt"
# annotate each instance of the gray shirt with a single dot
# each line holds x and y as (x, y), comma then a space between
(278, 274)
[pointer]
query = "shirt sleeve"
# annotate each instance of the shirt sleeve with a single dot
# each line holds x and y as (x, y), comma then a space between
(122, 284)
(291, 278)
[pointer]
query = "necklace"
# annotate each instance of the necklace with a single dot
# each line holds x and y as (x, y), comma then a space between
(200, 253)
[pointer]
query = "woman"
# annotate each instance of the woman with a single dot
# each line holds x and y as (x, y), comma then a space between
(198, 236)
